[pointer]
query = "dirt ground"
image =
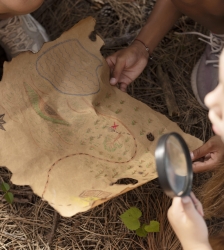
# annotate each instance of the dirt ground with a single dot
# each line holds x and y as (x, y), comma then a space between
(30, 223)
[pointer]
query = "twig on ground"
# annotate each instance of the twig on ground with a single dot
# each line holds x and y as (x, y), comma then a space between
(171, 103)
(121, 40)
(54, 227)
(20, 200)
(21, 191)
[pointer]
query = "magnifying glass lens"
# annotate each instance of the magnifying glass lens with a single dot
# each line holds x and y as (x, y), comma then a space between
(176, 165)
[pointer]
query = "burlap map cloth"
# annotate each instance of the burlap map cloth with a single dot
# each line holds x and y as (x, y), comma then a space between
(70, 135)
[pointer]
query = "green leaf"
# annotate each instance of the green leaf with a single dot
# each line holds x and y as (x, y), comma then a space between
(153, 227)
(9, 197)
(141, 231)
(5, 187)
(131, 218)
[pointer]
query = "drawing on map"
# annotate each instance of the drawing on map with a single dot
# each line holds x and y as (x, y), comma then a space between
(69, 134)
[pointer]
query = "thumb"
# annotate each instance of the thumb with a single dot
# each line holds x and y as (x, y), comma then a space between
(188, 206)
(118, 68)
(200, 152)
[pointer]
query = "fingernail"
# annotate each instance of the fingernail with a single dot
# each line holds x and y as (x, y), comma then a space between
(185, 199)
(192, 155)
(113, 81)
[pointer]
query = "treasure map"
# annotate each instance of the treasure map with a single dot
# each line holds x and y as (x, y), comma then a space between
(70, 135)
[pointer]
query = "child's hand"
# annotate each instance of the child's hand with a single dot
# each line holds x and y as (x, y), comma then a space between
(127, 64)
(188, 223)
(212, 153)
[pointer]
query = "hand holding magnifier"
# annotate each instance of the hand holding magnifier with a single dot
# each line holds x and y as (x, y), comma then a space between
(174, 166)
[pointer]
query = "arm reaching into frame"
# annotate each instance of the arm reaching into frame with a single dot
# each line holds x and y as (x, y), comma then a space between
(127, 64)
(209, 156)
(187, 222)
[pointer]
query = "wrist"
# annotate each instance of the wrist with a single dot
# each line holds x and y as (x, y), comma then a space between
(140, 41)
(148, 38)
(141, 48)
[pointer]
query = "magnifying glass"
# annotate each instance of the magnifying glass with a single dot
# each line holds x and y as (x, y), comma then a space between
(174, 166)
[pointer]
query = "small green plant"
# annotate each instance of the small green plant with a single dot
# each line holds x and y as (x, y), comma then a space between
(118, 111)
(97, 104)
(142, 132)
(131, 220)
(149, 120)
(161, 131)
(7, 195)
(108, 95)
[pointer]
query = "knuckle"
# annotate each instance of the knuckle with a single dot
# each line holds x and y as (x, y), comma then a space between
(197, 152)
(210, 143)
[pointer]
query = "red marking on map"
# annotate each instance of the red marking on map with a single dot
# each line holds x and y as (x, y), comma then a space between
(114, 126)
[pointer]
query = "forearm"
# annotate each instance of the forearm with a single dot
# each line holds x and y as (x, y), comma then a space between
(160, 21)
